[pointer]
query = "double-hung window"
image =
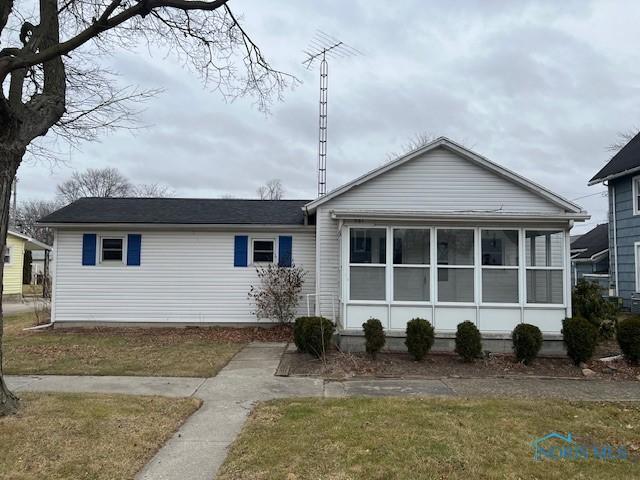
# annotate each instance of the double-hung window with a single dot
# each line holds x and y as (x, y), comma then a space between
(263, 251)
(635, 183)
(499, 266)
(544, 251)
(367, 263)
(7, 255)
(411, 260)
(111, 249)
(455, 249)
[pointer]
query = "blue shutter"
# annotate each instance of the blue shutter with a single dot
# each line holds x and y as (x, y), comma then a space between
(89, 249)
(241, 243)
(285, 243)
(134, 244)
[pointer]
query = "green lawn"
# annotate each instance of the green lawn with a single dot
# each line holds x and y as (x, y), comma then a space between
(157, 352)
(387, 438)
(97, 437)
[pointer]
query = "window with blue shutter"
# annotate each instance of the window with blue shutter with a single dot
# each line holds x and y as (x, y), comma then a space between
(134, 245)
(240, 250)
(89, 249)
(285, 243)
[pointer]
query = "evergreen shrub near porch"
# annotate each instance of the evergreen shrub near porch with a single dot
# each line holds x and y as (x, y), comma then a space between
(628, 336)
(527, 342)
(468, 341)
(580, 337)
(420, 338)
(374, 336)
(313, 335)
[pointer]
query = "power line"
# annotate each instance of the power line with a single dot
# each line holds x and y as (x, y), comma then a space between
(603, 193)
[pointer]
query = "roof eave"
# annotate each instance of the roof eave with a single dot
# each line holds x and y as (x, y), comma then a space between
(596, 180)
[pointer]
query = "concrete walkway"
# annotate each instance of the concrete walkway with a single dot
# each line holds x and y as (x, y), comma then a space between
(200, 446)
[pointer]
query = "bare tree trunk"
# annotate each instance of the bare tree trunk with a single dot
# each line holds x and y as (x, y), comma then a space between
(9, 162)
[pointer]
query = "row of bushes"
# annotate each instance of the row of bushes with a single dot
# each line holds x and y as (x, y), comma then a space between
(313, 335)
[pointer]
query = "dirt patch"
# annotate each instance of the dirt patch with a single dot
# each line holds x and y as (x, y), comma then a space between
(339, 365)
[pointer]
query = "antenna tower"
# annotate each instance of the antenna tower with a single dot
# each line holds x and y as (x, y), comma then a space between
(321, 47)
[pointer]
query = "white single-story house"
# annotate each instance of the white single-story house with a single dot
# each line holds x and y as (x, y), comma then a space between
(440, 233)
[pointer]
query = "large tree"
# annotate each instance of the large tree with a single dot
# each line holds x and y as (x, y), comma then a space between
(272, 190)
(53, 80)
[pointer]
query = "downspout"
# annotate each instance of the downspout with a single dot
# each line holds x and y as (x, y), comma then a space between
(615, 235)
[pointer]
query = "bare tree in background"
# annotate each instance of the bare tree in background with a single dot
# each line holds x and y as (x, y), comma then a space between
(623, 138)
(272, 190)
(27, 215)
(418, 140)
(53, 82)
(94, 182)
(152, 190)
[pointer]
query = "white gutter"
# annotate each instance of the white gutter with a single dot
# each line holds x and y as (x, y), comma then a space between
(615, 236)
(181, 226)
(614, 175)
(398, 215)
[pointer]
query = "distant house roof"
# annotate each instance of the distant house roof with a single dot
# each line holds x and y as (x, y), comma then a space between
(592, 243)
(626, 161)
(30, 243)
(191, 211)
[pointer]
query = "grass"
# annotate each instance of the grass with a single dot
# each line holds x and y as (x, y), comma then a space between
(392, 438)
(153, 352)
(62, 436)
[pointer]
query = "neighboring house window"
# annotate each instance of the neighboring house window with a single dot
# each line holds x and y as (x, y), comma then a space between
(455, 249)
(263, 251)
(635, 182)
(499, 266)
(112, 249)
(411, 260)
(367, 263)
(7, 255)
(636, 251)
(544, 251)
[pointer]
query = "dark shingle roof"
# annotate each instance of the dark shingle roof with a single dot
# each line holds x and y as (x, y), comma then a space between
(192, 211)
(626, 159)
(594, 241)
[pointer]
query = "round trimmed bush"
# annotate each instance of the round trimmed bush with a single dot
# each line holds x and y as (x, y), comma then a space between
(527, 342)
(373, 336)
(468, 341)
(315, 335)
(628, 337)
(580, 337)
(419, 338)
(298, 333)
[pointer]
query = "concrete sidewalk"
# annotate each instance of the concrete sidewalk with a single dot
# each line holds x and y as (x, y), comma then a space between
(200, 446)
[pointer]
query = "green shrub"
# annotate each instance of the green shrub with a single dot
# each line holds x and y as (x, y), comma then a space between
(587, 302)
(313, 335)
(419, 338)
(628, 337)
(468, 341)
(527, 342)
(580, 337)
(298, 333)
(374, 336)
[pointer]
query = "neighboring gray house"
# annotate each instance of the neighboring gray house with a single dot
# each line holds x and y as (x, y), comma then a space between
(590, 257)
(622, 177)
(440, 233)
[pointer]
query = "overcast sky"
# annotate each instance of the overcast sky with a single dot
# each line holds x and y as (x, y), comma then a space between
(539, 87)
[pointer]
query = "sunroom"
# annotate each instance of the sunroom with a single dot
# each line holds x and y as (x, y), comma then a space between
(495, 276)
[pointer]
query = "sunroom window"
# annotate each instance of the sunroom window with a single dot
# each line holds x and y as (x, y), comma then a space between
(544, 251)
(367, 263)
(411, 259)
(499, 266)
(455, 265)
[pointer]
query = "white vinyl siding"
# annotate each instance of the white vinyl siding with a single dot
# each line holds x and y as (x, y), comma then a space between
(184, 277)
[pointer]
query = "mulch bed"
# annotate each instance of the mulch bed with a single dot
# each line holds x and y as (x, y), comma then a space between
(340, 365)
(276, 333)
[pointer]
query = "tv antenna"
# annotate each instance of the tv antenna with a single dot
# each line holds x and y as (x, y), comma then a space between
(321, 47)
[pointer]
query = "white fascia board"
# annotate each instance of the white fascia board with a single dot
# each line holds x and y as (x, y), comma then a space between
(397, 215)
(613, 176)
(465, 153)
(178, 226)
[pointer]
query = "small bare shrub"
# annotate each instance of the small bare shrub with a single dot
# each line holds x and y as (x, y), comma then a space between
(279, 292)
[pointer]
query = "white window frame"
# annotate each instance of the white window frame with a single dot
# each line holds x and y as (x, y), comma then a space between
(636, 257)
(635, 192)
(264, 239)
(372, 265)
(428, 266)
(124, 249)
(501, 267)
(5, 253)
(561, 267)
(473, 267)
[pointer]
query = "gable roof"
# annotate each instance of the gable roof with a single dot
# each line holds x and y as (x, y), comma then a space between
(191, 211)
(594, 242)
(626, 161)
(31, 243)
(444, 142)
